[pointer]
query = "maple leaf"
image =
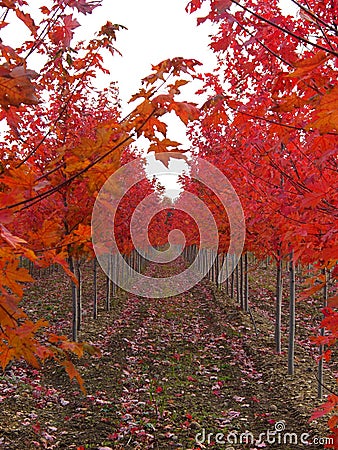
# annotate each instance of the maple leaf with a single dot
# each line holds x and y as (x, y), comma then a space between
(175, 88)
(27, 20)
(61, 259)
(12, 275)
(91, 349)
(325, 408)
(193, 6)
(7, 355)
(165, 157)
(326, 110)
(10, 238)
(306, 66)
(9, 310)
(16, 87)
(69, 25)
(164, 145)
(84, 6)
(109, 30)
(73, 373)
(49, 232)
(63, 34)
(73, 347)
(289, 103)
(11, 4)
(221, 6)
(185, 111)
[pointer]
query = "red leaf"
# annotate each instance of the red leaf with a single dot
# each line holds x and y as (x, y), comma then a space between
(333, 302)
(27, 20)
(307, 65)
(10, 238)
(310, 291)
(185, 111)
(325, 408)
(221, 6)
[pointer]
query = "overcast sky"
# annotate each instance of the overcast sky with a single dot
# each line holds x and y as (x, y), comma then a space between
(157, 30)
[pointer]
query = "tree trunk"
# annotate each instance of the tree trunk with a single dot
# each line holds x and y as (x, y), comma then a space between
(74, 304)
(232, 277)
(321, 348)
(246, 283)
(94, 288)
(108, 285)
(279, 297)
(237, 285)
(79, 294)
(292, 323)
(241, 288)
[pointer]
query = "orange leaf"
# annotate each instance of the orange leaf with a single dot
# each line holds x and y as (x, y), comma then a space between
(16, 88)
(7, 354)
(12, 276)
(326, 112)
(163, 146)
(333, 302)
(73, 347)
(165, 157)
(73, 373)
(185, 111)
(307, 65)
(63, 263)
(9, 310)
(10, 238)
(27, 20)
(310, 291)
(333, 422)
(325, 408)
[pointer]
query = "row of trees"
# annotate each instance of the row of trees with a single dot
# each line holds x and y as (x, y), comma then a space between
(64, 137)
(269, 124)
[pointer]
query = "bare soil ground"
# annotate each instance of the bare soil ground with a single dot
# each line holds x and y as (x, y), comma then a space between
(174, 372)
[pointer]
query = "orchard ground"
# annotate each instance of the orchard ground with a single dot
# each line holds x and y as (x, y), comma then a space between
(173, 373)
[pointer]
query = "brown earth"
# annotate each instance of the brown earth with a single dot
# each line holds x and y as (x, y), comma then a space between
(172, 372)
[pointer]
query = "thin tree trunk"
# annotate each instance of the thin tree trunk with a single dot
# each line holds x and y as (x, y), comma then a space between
(292, 323)
(94, 288)
(79, 295)
(232, 277)
(237, 285)
(321, 348)
(227, 272)
(279, 297)
(246, 283)
(217, 270)
(108, 285)
(74, 304)
(241, 290)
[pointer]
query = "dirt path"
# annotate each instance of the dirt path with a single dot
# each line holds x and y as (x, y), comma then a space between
(174, 373)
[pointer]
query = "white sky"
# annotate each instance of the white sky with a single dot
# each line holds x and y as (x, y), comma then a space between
(157, 30)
